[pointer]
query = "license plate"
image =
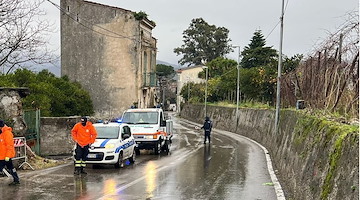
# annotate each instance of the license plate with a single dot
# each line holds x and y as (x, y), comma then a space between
(91, 156)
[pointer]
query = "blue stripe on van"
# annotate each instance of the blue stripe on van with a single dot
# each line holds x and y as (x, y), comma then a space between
(124, 146)
(104, 143)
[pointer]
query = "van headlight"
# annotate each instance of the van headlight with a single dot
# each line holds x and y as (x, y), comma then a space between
(109, 146)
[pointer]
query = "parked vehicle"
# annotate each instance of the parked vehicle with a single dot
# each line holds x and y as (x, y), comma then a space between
(150, 129)
(113, 145)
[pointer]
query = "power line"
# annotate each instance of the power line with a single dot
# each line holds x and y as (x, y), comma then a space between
(278, 21)
(76, 20)
(272, 29)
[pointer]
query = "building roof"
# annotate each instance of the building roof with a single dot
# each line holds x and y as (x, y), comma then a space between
(145, 21)
(187, 68)
(89, 2)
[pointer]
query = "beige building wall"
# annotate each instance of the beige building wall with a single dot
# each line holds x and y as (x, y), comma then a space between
(186, 75)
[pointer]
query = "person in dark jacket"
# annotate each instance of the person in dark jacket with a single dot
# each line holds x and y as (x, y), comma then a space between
(7, 151)
(207, 128)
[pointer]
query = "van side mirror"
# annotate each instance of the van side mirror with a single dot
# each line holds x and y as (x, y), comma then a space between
(163, 123)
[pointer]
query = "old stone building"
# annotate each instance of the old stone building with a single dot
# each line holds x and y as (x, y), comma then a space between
(111, 52)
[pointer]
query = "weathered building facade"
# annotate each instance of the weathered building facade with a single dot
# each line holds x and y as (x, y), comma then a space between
(110, 53)
(11, 110)
(187, 75)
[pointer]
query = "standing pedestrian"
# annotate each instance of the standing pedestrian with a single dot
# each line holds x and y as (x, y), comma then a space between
(7, 151)
(84, 134)
(207, 128)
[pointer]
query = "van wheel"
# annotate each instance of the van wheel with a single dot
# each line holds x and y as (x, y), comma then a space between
(137, 151)
(120, 162)
(95, 166)
(133, 157)
(157, 149)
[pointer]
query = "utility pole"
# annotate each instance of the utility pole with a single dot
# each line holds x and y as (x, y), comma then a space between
(237, 86)
(277, 114)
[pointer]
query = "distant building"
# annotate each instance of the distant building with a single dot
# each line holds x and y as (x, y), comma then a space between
(110, 53)
(187, 75)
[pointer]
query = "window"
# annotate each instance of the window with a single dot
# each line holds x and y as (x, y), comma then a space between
(162, 122)
(140, 118)
(125, 132)
(107, 132)
(145, 62)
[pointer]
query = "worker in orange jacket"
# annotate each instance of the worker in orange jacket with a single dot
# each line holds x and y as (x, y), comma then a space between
(84, 134)
(7, 151)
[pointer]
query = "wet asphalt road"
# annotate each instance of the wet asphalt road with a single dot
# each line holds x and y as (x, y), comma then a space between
(227, 168)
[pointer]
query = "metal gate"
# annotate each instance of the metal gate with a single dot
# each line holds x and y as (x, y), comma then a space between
(32, 135)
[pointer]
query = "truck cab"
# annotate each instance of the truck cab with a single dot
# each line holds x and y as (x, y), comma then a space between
(150, 129)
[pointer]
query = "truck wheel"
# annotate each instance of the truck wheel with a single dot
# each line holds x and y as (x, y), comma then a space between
(133, 157)
(167, 148)
(120, 162)
(157, 149)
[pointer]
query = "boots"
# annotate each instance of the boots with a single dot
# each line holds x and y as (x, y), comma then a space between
(77, 171)
(15, 176)
(14, 183)
(82, 170)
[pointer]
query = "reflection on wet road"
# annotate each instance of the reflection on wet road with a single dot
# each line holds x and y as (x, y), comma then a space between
(227, 168)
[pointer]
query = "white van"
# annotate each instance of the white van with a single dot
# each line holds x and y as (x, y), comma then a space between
(150, 129)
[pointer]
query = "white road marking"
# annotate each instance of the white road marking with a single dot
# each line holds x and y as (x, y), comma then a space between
(179, 159)
(277, 186)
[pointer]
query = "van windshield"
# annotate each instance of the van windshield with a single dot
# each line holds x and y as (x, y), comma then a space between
(140, 118)
(107, 132)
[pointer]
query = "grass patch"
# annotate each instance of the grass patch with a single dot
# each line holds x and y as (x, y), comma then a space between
(246, 104)
(38, 162)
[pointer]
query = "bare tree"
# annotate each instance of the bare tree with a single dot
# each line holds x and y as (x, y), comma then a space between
(328, 79)
(23, 36)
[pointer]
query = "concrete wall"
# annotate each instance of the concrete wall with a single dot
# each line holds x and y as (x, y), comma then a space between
(101, 48)
(313, 161)
(55, 136)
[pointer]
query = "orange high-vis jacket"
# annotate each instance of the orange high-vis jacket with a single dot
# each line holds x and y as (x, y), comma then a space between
(7, 148)
(84, 135)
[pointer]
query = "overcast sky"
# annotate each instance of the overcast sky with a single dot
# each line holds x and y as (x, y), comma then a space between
(306, 22)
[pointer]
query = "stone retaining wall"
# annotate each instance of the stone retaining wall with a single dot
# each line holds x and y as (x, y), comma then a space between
(314, 159)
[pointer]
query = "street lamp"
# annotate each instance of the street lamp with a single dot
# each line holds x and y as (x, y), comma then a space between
(206, 81)
(188, 82)
(237, 85)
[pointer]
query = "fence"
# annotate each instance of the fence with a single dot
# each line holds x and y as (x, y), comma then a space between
(32, 135)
